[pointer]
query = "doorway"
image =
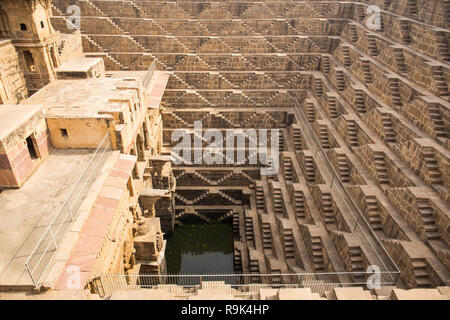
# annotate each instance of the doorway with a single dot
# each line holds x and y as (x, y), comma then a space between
(32, 148)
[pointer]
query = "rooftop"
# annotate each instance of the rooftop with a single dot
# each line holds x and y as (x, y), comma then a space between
(89, 97)
(13, 116)
(78, 64)
(80, 98)
(26, 212)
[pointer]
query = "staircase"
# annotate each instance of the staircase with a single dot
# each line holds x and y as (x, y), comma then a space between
(287, 169)
(372, 44)
(260, 199)
(323, 137)
(438, 123)
(277, 200)
(310, 170)
(422, 277)
(352, 134)
(433, 172)
(249, 235)
(297, 138)
(440, 83)
(317, 254)
(227, 197)
(405, 31)
(281, 141)
(400, 60)
(356, 260)
(340, 81)
(326, 65)
(204, 179)
(299, 204)
(343, 168)
(236, 224)
(360, 102)
(346, 56)
(367, 73)
(237, 261)
(353, 33)
(412, 8)
(380, 167)
(395, 92)
(318, 87)
(288, 244)
(387, 4)
(389, 134)
(360, 13)
(266, 236)
(332, 108)
(254, 266)
(427, 217)
(442, 45)
(222, 179)
(327, 210)
(310, 111)
(373, 213)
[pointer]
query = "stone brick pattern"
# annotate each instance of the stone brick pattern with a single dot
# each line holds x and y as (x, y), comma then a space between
(377, 102)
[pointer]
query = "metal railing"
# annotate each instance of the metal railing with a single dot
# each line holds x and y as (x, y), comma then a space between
(41, 255)
(182, 285)
(361, 225)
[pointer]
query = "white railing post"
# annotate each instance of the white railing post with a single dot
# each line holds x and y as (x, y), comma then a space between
(37, 267)
(70, 211)
(53, 237)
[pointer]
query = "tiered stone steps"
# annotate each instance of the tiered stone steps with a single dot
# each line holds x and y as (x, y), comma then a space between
(373, 213)
(266, 236)
(277, 201)
(287, 169)
(365, 66)
(380, 167)
(343, 168)
(421, 275)
(427, 216)
(299, 204)
(260, 198)
(356, 260)
(389, 133)
(395, 92)
(249, 233)
(433, 172)
(323, 137)
(297, 138)
(360, 103)
(340, 80)
(317, 254)
(327, 210)
(288, 244)
(373, 48)
(400, 60)
(333, 107)
(310, 174)
(352, 133)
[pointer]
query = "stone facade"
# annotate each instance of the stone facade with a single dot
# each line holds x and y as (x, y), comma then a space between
(363, 115)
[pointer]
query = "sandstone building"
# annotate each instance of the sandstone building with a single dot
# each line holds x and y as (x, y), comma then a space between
(359, 91)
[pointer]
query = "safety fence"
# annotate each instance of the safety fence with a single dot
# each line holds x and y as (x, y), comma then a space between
(42, 253)
(356, 220)
(182, 285)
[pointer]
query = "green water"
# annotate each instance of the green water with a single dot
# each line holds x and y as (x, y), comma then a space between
(200, 248)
